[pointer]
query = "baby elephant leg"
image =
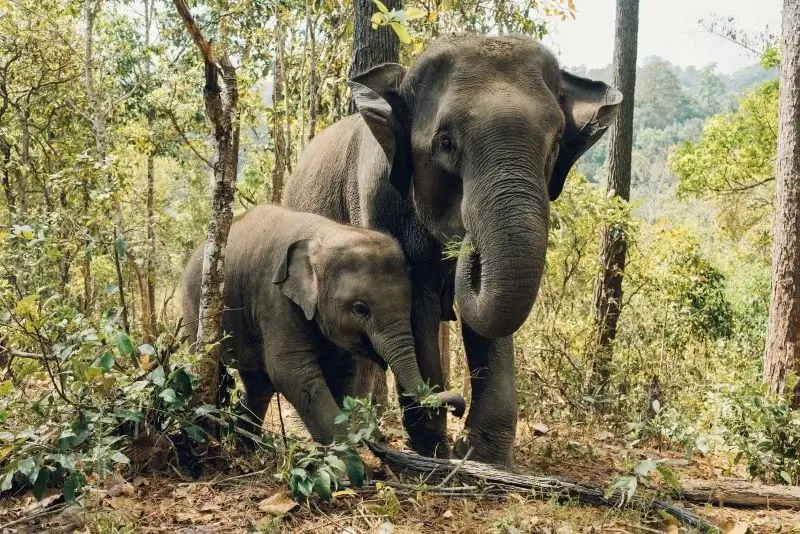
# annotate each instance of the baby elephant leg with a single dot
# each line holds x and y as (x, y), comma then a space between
(299, 378)
(258, 391)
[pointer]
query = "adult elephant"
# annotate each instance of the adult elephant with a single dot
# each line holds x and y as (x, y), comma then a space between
(469, 145)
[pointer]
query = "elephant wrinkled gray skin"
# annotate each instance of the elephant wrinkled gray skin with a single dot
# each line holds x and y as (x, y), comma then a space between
(470, 144)
(301, 290)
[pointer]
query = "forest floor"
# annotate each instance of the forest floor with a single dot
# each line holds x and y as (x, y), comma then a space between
(242, 496)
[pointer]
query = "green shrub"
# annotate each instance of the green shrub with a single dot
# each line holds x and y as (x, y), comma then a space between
(765, 432)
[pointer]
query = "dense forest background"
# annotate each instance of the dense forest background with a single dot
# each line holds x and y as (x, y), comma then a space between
(105, 171)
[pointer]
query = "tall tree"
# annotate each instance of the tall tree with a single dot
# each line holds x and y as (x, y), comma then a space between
(372, 47)
(221, 110)
(782, 351)
(97, 113)
(608, 289)
(279, 110)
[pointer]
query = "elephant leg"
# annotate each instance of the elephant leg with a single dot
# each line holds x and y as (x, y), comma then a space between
(298, 376)
(258, 391)
(340, 371)
(427, 430)
(492, 421)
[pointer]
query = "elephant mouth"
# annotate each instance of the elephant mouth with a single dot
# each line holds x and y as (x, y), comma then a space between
(365, 350)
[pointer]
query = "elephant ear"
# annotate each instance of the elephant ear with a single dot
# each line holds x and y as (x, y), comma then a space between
(589, 109)
(296, 277)
(376, 96)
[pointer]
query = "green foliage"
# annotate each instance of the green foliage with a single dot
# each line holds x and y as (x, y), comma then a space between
(764, 430)
(314, 469)
(733, 163)
(627, 485)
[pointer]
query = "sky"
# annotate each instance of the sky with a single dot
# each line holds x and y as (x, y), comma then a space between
(667, 28)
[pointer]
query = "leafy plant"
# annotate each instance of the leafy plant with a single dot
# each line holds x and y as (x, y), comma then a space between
(765, 431)
(641, 475)
(314, 469)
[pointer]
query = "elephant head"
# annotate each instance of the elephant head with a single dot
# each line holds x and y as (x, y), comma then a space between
(356, 288)
(482, 132)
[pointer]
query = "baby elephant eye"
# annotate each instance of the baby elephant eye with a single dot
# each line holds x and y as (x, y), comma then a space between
(360, 308)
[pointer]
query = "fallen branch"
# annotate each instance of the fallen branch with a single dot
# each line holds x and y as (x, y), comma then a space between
(494, 480)
(736, 492)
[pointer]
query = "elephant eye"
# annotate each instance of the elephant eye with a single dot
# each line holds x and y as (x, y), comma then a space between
(360, 308)
(446, 142)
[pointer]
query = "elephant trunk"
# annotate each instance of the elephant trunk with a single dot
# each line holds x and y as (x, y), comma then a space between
(398, 352)
(503, 254)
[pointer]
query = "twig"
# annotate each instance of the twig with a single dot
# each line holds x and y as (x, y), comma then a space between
(254, 473)
(48, 511)
(236, 429)
(447, 479)
(280, 417)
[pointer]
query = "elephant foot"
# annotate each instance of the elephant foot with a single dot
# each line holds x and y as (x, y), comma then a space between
(483, 450)
(427, 431)
(432, 447)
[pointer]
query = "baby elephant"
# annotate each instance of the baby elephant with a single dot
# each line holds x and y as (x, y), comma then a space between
(302, 294)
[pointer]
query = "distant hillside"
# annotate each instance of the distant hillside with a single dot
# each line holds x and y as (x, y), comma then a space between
(672, 103)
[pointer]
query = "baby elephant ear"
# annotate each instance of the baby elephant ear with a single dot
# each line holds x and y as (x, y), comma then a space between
(376, 96)
(589, 110)
(296, 277)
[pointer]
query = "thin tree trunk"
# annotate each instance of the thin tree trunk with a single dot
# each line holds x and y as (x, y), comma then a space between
(278, 131)
(91, 9)
(372, 47)
(7, 188)
(221, 111)
(782, 350)
(608, 288)
(287, 118)
(25, 160)
(444, 349)
(303, 89)
(149, 298)
(312, 72)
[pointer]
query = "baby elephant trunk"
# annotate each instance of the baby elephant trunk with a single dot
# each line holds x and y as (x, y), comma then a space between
(398, 352)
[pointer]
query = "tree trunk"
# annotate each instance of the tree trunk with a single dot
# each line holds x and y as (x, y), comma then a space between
(221, 111)
(25, 167)
(608, 288)
(444, 349)
(278, 132)
(7, 189)
(287, 117)
(91, 9)
(311, 28)
(372, 47)
(149, 297)
(737, 492)
(782, 350)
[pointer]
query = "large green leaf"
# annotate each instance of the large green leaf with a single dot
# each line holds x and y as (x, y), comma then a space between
(355, 469)
(120, 246)
(169, 396)
(40, 486)
(124, 344)
(322, 484)
(71, 485)
(106, 362)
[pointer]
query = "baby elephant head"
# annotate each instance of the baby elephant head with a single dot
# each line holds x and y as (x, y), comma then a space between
(355, 286)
